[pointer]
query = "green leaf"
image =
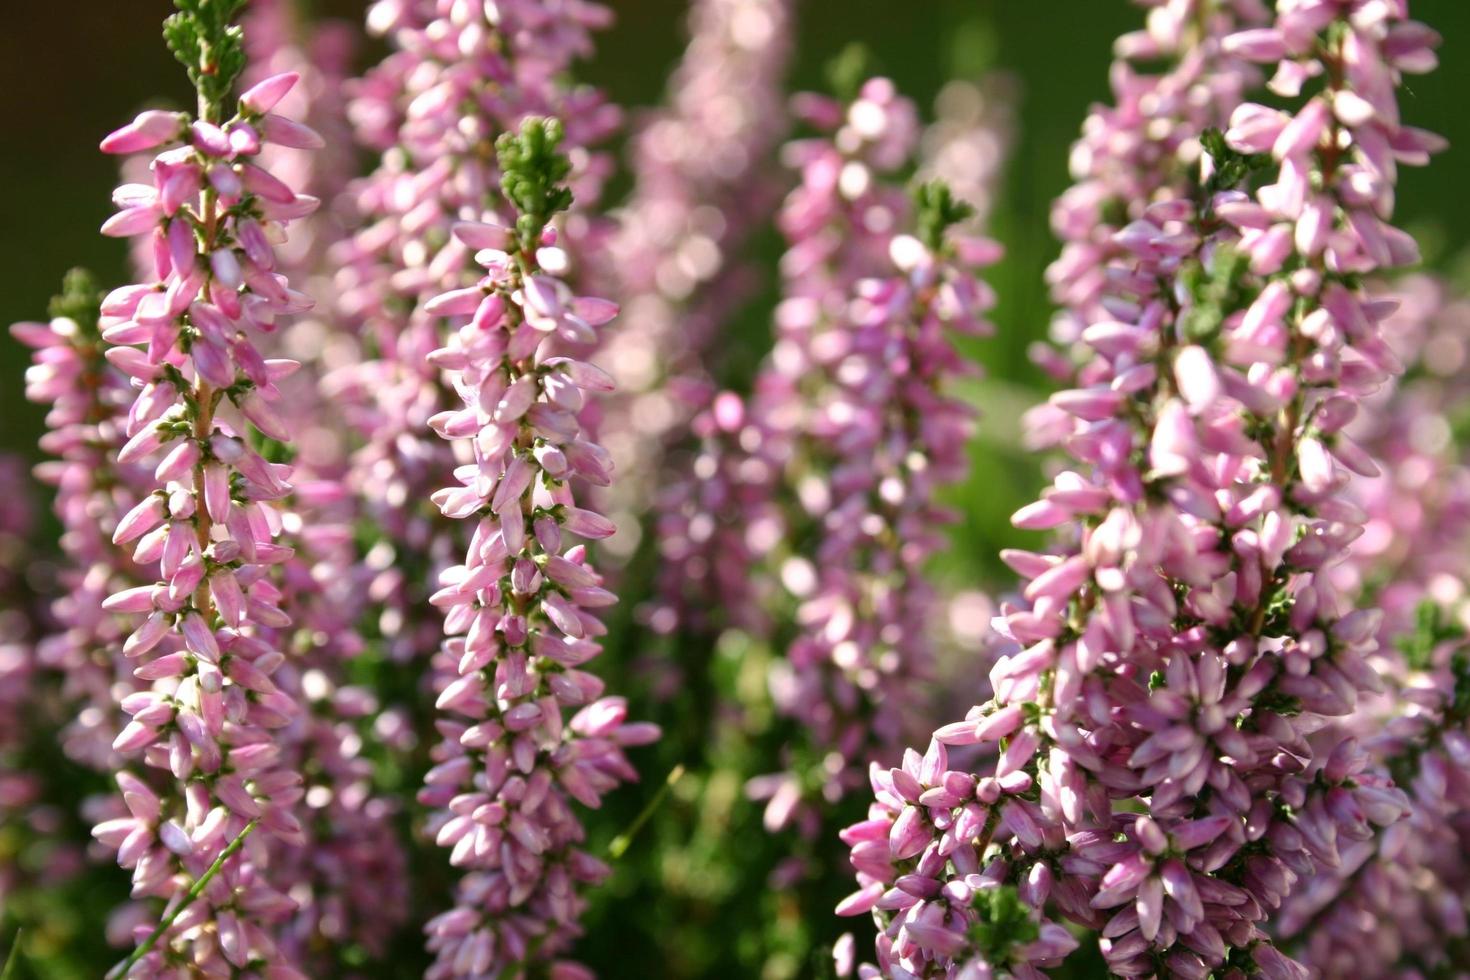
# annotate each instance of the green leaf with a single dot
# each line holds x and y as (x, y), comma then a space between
(846, 72)
(533, 172)
(80, 300)
(1431, 629)
(1231, 167)
(936, 209)
(203, 39)
(1004, 922)
(1214, 292)
(12, 961)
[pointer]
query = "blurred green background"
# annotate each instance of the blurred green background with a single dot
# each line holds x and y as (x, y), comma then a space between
(70, 72)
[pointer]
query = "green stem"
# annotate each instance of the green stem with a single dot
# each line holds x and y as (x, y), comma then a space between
(13, 960)
(195, 890)
(623, 841)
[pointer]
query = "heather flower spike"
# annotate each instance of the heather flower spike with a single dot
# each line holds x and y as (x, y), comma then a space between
(206, 715)
(1408, 884)
(1157, 762)
(429, 112)
(87, 399)
(855, 422)
(521, 610)
(705, 179)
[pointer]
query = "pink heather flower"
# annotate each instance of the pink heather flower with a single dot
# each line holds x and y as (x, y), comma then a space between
(1411, 881)
(88, 400)
(1157, 762)
(521, 610)
(715, 527)
(853, 420)
(836, 237)
(458, 74)
(1143, 147)
(703, 179)
(969, 143)
(209, 712)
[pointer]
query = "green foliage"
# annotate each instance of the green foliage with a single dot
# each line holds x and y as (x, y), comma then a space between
(936, 209)
(209, 47)
(80, 300)
(1214, 293)
(849, 69)
(1005, 922)
(1231, 167)
(1459, 709)
(533, 172)
(1430, 630)
(13, 960)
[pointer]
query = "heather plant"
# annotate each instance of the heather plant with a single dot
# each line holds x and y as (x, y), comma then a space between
(1163, 767)
(1395, 904)
(521, 608)
(507, 531)
(677, 262)
(205, 534)
(806, 523)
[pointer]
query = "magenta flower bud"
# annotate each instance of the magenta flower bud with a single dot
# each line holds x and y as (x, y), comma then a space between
(1092, 405)
(1303, 132)
(263, 96)
(210, 138)
(147, 636)
(288, 132)
(1195, 374)
(517, 400)
(1255, 128)
(1041, 515)
(457, 302)
(264, 184)
(223, 178)
(152, 127)
(146, 515)
(134, 600)
(178, 464)
(134, 736)
(263, 416)
(479, 235)
(1259, 44)
(132, 221)
(226, 268)
(908, 835)
(586, 523)
(199, 637)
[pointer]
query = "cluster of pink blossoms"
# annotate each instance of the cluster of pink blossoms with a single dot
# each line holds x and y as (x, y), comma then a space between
(458, 75)
(1395, 907)
(88, 402)
(704, 182)
(849, 433)
(208, 711)
(855, 413)
(1163, 773)
(1141, 149)
(835, 237)
(522, 617)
